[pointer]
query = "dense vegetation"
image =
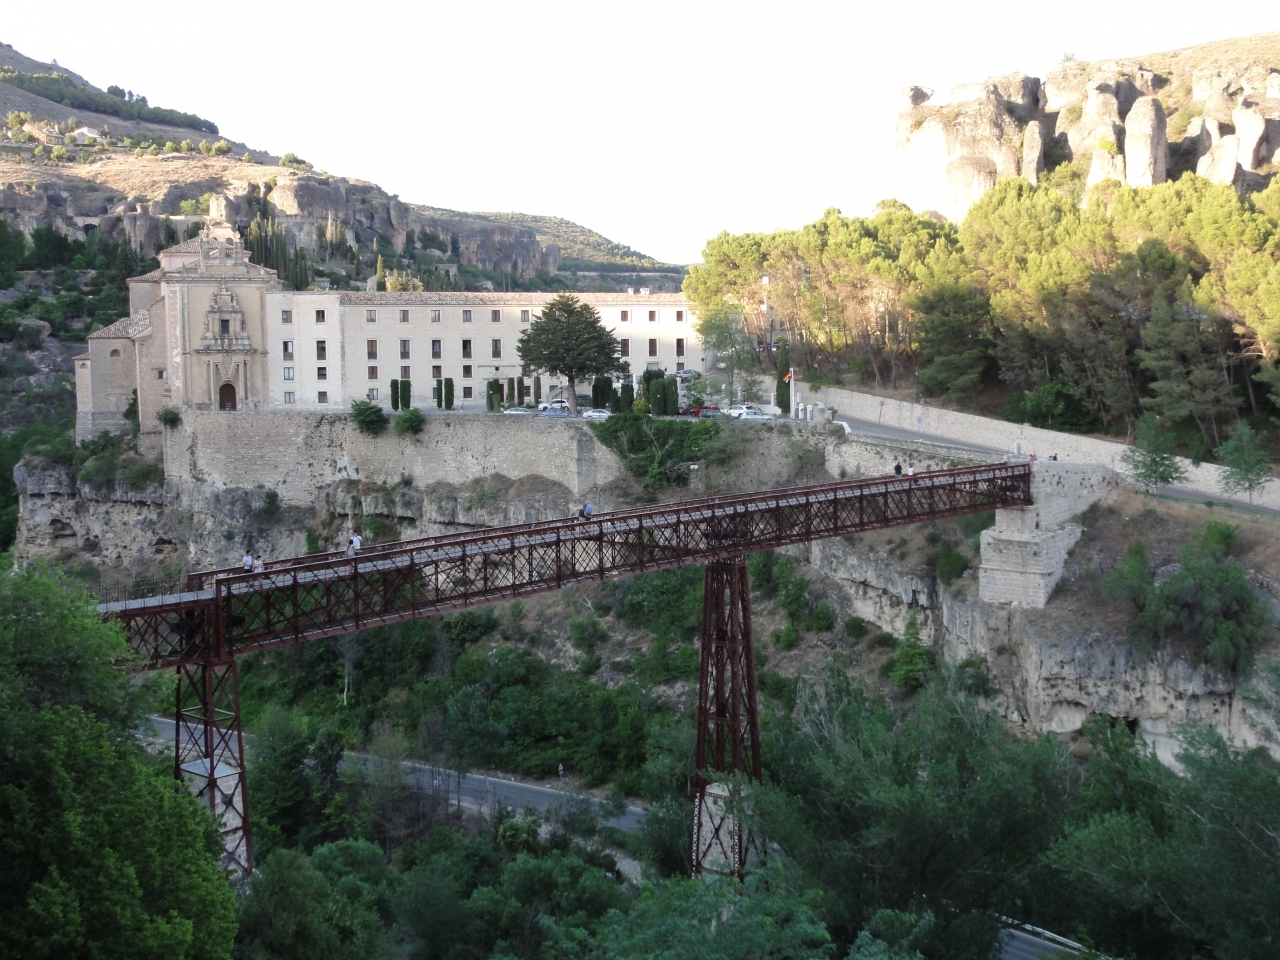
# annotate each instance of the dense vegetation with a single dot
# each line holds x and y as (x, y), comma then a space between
(1163, 300)
(60, 88)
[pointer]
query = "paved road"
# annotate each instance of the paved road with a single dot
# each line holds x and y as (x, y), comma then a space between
(869, 428)
(479, 792)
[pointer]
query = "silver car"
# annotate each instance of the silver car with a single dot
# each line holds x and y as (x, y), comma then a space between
(597, 414)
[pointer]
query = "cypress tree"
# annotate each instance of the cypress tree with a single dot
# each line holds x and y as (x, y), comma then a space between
(782, 392)
(380, 275)
(511, 391)
(440, 394)
(657, 398)
(537, 390)
(520, 391)
(672, 396)
(626, 397)
(395, 395)
(448, 393)
(406, 395)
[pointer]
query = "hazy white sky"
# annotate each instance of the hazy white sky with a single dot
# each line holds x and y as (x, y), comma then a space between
(657, 124)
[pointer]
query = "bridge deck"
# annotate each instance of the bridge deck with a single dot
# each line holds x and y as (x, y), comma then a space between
(225, 612)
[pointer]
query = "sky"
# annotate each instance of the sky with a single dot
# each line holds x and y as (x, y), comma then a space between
(658, 125)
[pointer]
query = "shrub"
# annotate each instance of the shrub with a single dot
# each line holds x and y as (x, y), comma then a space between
(313, 542)
(821, 618)
(855, 628)
(368, 417)
(169, 416)
(777, 687)
(270, 508)
(143, 474)
(587, 632)
(787, 638)
(883, 639)
(948, 562)
(409, 422)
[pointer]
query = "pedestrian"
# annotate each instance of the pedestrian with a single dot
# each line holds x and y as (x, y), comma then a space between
(247, 562)
(258, 566)
(582, 513)
(562, 771)
(589, 510)
(351, 547)
(897, 469)
(357, 543)
(911, 469)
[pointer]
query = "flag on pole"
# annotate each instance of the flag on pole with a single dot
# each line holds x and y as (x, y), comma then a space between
(787, 378)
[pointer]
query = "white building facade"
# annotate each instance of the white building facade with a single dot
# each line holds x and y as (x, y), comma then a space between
(327, 349)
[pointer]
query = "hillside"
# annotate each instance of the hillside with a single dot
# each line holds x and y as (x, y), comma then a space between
(579, 243)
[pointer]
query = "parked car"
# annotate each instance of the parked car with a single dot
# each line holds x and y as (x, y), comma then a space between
(738, 409)
(597, 414)
(706, 410)
(754, 415)
(554, 405)
(556, 413)
(518, 410)
(687, 374)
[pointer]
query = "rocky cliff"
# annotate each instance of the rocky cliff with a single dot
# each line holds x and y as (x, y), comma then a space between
(1213, 110)
(129, 197)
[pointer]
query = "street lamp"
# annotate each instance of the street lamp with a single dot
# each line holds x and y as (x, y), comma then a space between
(917, 386)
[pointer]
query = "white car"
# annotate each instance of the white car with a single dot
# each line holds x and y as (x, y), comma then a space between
(738, 409)
(554, 405)
(755, 415)
(597, 414)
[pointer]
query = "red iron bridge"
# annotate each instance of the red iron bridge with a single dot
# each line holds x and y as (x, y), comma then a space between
(222, 614)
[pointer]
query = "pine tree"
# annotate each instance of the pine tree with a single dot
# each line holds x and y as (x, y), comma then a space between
(1151, 458)
(1247, 466)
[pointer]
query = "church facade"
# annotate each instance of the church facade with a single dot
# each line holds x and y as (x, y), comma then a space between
(209, 330)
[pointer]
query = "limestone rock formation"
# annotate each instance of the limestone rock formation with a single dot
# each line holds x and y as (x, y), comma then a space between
(1146, 149)
(1033, 152)
(1140, 121)
(1221, 164)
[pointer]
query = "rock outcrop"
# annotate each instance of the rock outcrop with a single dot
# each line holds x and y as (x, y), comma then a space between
(1137, 121)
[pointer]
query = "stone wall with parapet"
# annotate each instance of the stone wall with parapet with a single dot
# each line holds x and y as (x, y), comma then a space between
(1024, 553)
(299, 455)
(1009, 438)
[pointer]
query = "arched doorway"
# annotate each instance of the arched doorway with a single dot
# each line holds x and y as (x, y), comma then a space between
(227, 397)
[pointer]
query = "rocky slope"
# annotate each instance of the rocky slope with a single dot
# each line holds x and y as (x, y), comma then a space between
(1212, 109)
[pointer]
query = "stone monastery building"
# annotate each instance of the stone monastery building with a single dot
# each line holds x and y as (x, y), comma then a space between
(209, 330)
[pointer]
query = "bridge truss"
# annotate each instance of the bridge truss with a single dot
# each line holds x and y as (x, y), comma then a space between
(223, 614)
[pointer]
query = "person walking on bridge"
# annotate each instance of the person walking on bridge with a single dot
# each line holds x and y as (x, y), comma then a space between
(897, 469)
(247, 562)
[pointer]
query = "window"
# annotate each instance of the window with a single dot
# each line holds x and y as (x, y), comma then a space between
(653, 348)
(466, 371)
(679, 346)
(466, 393)
(466, 349)
(496, 346)
(653, 316)
(495, 316)
(653, 365)
(466, 316)
(528, 391)
(319, 316)
(224, 326)
(435, 316)
(288, 396)
(435, 349)
(679, 365)
(437, 372)
(286, 316)
(322, 352)
(404, 316)
(679, 316)
(524, 316)
(371, 316)
(371, 393)
(287, 346)
(322, 373)
(624, 347)
(159, 374)
(322, 396)
(405, 374)
(115, 354)
(373, 373)
(404, 350)
(371, 349)
(288, 373)
(626, 315)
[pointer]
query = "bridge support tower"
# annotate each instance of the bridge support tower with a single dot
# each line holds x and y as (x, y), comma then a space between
(728, 721)
(209, 752)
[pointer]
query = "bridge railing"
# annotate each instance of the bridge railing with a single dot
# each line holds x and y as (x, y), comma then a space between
(311, 598)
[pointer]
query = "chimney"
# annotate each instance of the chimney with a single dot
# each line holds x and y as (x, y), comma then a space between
(631, 291)
(644, 291)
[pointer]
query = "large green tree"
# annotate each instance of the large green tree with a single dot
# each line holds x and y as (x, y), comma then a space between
(105, 855)
(569, 340)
